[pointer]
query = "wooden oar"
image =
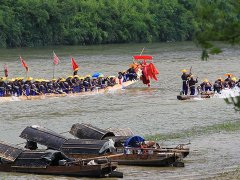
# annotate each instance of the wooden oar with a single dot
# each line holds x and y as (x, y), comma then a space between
(99, 157)
(25, 95)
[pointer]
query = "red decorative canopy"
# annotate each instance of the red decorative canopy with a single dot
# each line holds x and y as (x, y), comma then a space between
(144, 57)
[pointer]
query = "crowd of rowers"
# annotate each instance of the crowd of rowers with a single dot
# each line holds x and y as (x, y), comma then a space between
(189, 83)
(72, 84)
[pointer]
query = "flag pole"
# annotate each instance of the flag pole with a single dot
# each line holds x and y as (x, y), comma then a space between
(142, 51)
(53, 70)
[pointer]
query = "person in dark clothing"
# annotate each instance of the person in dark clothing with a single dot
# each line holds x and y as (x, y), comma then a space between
(86, 84)
(228, 77)
(120, 77)
(232, 82)
(3, 87)
(238, 83)
(192, 84)
(206, 85)
(185, 78)
(131, 75)
(218, 86)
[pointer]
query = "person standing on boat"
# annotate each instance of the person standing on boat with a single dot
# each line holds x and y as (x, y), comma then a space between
(192, 84)
(185, 78)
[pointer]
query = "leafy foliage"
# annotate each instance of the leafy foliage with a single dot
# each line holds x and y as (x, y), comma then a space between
(234, 101)
(217, 20)
(72, 22)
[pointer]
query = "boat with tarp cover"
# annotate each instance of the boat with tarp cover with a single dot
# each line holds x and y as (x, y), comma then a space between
(123, 139)
(51, 162)
(89, 148)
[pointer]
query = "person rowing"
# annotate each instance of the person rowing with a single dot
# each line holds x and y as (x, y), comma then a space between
(3, 86)
(218, 85)
(232, 82)
(206, 85)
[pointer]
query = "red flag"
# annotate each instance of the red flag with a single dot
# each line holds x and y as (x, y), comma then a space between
(74, 65)
(55, 58)
(5, 70)
(24, 63)
(152, 71)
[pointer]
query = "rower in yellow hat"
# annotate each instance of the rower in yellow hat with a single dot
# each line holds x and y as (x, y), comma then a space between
(185, 78)
(206, 85)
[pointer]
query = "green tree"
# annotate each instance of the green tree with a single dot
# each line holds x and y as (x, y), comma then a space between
(217, 20)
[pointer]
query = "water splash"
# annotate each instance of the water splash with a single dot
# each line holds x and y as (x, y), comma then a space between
(227, 93)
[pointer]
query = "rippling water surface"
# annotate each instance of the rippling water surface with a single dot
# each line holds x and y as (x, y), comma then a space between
(147, 111)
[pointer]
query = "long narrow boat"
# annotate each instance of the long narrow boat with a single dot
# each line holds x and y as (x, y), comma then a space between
(53, 95)
(186, 97)
(51, 162)
(202, 95)
(89, 148)
(87, 131)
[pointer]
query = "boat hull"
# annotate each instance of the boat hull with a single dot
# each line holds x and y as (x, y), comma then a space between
(186, 97)
(145, 160)
(151, 160)
(100, 170)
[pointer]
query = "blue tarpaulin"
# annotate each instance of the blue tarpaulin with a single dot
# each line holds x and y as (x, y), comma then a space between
(134, 141)
(95, 75)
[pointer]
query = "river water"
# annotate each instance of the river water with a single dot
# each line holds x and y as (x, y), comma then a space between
(147, 111)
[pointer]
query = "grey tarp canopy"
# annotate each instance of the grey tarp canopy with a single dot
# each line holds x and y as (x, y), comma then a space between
(56, 141)
(40, 158)
(87, 131)
(43, 136)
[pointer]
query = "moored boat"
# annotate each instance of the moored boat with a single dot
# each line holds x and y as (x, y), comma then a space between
(89, 148)
(51, 162)
(121, 137)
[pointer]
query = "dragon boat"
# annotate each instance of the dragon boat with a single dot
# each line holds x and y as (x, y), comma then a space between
(52, 162)
(54, 95)
(91, 148)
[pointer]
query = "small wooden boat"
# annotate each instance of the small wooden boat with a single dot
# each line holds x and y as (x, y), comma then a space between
(53, 95)
(202, 95)
(51, 162)
(87, 131)
(89, 148)
(142, 158)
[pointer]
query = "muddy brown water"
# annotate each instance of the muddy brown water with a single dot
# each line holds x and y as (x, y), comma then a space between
(147, 111)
